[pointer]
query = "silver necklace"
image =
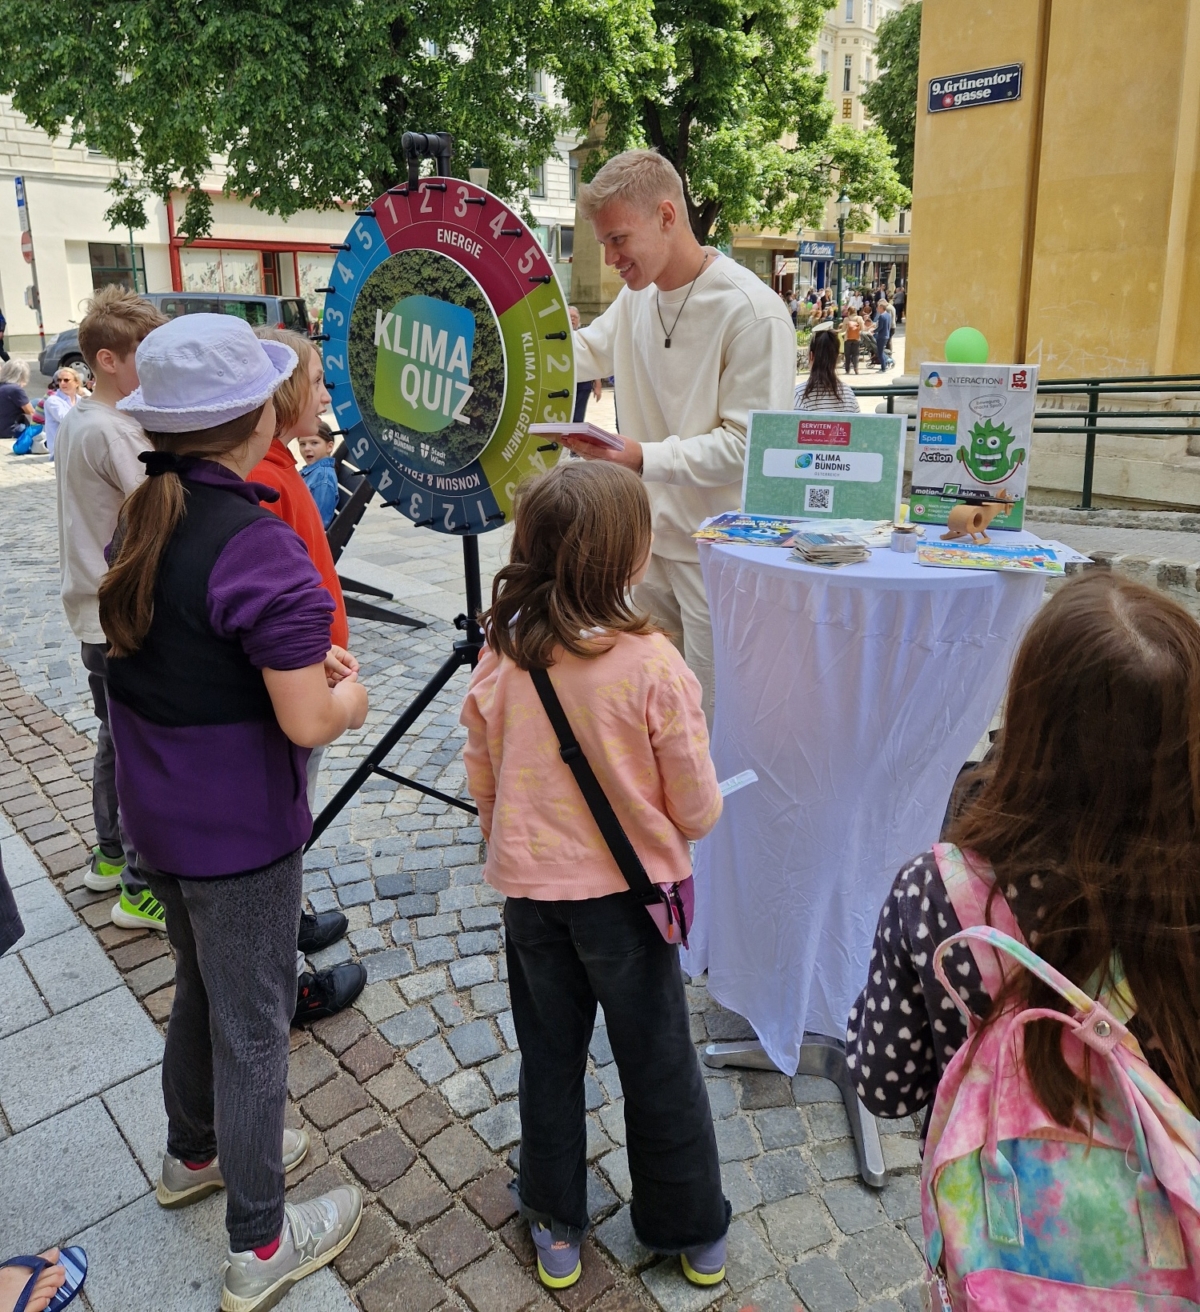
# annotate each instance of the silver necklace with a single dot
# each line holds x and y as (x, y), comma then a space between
(668, 335)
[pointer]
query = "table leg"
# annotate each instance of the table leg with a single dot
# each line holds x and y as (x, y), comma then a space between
(826, 1057)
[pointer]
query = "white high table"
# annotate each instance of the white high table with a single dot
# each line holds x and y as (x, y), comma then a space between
(856, 694)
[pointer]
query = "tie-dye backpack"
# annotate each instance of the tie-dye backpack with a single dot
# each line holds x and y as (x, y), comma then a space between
(1022, 1215)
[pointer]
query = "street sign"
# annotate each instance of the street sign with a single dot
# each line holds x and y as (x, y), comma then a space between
(22, 208)
(817, 250)
(986, 86)
(27, 247)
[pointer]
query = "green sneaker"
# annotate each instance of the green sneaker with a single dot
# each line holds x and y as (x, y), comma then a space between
(142, 911)
(104, 873)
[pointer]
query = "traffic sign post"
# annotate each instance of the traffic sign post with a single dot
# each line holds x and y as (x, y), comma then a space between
(34, 296)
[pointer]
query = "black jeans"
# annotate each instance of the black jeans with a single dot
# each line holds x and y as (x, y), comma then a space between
(563, 958)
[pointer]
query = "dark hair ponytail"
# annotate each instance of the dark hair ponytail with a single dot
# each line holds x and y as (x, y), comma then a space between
(823, 348)
(148, 519)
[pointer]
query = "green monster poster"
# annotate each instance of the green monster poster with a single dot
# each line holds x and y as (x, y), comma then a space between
(974, 432)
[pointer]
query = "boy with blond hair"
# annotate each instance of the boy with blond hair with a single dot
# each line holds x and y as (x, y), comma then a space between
(97, 467)
(695, 342)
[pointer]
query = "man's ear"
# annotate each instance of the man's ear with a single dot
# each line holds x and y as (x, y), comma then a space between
(106, 360)
(667, 215)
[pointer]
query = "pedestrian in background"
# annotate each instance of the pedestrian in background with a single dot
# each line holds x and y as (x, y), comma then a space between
(576, 935)
(852, 325)
(883, 333)
(60, 403)
(318, 472)
(16, 410)
(3, 329)
(583, 391)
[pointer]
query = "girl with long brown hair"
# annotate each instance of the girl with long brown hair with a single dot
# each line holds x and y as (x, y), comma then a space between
(576, 935)
(218, 629)
(1089, 815)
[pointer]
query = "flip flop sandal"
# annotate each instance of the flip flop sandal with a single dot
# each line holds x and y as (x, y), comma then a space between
(74, 1263)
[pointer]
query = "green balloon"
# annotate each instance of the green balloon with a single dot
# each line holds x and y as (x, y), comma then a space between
(966, 346)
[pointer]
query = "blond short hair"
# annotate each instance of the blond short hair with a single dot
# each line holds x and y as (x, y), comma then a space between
(641, 178)
(116, 320)
(292, 396)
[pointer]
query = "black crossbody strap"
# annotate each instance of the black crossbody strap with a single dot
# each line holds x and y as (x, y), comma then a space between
(628, 861)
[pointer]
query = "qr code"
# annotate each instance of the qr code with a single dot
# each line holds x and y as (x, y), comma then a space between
(818, 498)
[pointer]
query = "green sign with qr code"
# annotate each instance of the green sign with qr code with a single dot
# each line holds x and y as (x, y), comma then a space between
(810, 465)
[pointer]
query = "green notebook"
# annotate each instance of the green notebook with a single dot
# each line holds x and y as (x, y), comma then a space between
(808, 465)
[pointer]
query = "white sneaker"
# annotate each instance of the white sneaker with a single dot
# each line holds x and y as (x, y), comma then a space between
(180, 1186)
(313, 1235)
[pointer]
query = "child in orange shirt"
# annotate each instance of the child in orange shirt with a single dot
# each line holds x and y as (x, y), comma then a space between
(575, 933)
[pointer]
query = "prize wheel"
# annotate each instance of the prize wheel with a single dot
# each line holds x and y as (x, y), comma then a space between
(448, 336)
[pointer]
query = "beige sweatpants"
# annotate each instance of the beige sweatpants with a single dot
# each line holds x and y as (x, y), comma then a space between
(673, 593)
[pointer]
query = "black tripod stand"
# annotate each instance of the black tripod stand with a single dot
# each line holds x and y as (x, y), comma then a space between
(417, 146)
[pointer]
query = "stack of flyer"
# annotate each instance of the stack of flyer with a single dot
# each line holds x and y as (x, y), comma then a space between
(830, 549)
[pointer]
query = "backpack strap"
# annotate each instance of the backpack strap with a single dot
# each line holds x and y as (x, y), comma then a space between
(969, 881)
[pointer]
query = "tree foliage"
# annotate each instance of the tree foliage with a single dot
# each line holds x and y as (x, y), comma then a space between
(725, 89)
(305, 100)
(891, 99)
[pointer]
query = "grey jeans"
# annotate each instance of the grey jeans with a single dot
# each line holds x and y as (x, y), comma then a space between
(105, 814)
(226, 1060)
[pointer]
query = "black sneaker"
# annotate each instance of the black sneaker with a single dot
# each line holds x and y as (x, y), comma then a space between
(328, 991)
(317, 932)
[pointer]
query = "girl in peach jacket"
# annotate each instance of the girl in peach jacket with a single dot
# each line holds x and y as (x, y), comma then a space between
(575, 935)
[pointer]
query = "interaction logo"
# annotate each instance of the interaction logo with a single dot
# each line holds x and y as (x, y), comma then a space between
(423, 352)
(804, 460)
(934, 380)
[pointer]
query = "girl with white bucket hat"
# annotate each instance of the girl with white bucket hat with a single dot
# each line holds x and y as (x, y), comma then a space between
(218, 628)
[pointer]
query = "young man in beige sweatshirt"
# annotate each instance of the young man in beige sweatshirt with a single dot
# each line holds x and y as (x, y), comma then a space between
(694, 342)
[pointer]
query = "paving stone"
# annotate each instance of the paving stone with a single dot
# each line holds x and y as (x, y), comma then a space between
(457, 1155)
(615, 1166)
(600, 1198)
(398, 930)
(519, 1242)
(137, 1108)
(432, 1061)
(610, 1078)
(448, 1010)
(409, 1027)
(353, 1127)
(367, 1058)
(65, 1058)
(62, 1175)
(378, 1002)
(594, 1096)
(499, 1126)
(812, 1088)
(743, 1194)
(357, 895)
(491, 1199)
(472, 970)
(334, 1101)
(722, 1098)
(795, 1225)
(405, 1286)
(374, 1243)
(748, 1259)
(395, 1087)
(598, 1143)
(429, 952)
(379, 1159)
(780, 1127)
(612, 1118)
(436, 926)
(473, 1043)
(474, 917)
(419, 904)
(780, 1173)
(342, 1031)
(599, 1047)
(151, 977)
(415, 1198)
(823, 1286)
(467, 1093)
(365, 941)
(881, 1259)
(617, 1238)
(426, 1116)
(901, 1197)
(900, 1154)
(395, 963)
(352, 873)
(425, 985)
(497, 1284)
(308, 1068)
(836, 1161)
(853, 1206)
(22, 1005)
(159, 1004)
(829, 1121)
(765, 1089)
(735, 1140)
(673, 1293)
(323, 899)
(452, 1241)
(508, 1030)
(483, 940)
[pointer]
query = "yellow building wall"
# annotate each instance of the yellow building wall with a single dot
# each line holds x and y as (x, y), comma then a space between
(1063, 225)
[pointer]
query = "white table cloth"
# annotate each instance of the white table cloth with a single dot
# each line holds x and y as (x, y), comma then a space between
(856, 694)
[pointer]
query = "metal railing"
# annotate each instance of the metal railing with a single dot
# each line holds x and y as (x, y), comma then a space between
(1094, 421)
